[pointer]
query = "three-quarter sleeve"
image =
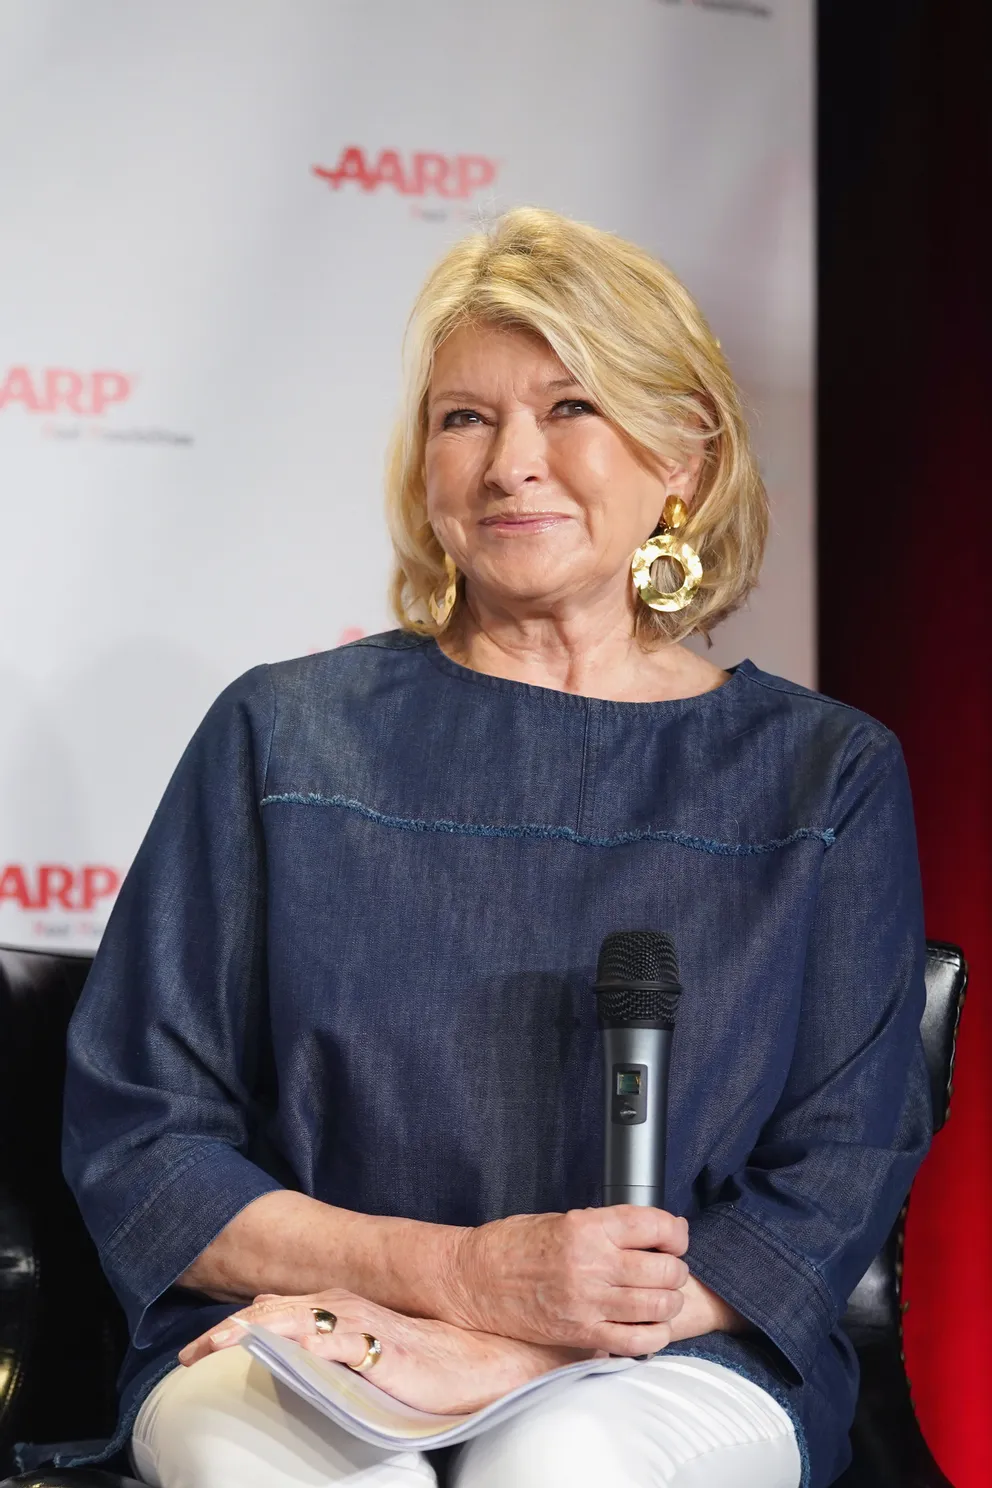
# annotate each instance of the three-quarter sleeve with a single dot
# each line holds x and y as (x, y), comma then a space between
(164, 1046)
(793, 1232)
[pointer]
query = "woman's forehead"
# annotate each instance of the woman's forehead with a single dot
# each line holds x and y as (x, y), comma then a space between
(488, 354)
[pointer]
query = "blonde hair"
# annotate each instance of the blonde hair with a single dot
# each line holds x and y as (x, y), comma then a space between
(626, 328)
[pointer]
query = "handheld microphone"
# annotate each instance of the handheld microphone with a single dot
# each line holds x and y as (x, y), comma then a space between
(637, 992)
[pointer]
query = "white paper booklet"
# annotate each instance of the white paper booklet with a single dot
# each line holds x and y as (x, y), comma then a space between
(354, 1402)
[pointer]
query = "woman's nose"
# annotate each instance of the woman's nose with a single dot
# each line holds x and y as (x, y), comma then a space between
(518, 454)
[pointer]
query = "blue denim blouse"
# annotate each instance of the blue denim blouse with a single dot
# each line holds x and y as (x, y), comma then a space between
(354, 957)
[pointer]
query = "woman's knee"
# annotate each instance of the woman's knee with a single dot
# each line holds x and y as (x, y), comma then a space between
(689, 1424)
(551, 1444)
(227, 1423)
(766, 1464)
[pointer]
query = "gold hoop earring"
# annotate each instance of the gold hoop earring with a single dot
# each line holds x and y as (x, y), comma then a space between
(664, 544)
(441, 608)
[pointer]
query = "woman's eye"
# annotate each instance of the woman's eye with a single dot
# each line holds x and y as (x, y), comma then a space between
(463, 418)
(457, 418)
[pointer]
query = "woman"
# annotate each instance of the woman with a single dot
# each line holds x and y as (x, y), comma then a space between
(338, 1051)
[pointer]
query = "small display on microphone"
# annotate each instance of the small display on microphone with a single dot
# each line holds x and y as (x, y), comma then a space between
(630, 1095)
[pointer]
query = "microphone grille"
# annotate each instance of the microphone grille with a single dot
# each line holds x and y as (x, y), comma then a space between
(637, 978)
(638, 956)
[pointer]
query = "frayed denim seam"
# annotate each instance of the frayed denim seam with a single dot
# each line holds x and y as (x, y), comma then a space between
(559, 834)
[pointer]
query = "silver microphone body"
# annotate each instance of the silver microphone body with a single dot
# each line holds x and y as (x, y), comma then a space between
(634, 1121)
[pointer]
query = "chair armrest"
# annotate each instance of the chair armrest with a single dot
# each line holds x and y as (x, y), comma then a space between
(890, 1450)
(18, 1312)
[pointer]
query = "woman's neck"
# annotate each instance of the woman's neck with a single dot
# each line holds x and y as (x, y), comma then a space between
(592, 652)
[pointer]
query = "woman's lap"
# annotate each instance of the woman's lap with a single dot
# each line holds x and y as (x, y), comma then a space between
(677, 1422)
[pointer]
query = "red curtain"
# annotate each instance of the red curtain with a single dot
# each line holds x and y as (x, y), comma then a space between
(905, 576)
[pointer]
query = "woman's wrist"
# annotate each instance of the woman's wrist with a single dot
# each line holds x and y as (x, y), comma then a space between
(415, 1267)
(704, 1311)
(520, 1362)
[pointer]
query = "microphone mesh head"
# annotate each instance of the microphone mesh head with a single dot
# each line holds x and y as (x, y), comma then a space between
(637, 978)
(638, 956)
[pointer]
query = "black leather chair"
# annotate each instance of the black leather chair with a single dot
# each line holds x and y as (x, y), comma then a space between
(57, 1378)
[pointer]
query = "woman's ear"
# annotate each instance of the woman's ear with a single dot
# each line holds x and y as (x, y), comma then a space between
(682, 477)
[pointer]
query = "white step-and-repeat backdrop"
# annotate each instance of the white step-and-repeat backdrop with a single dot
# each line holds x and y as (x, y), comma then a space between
(214, 215)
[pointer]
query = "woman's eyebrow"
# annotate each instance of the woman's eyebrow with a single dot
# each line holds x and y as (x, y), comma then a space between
(554, 386)
(440, 397)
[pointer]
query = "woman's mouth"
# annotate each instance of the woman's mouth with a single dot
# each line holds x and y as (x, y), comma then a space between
(507, 523)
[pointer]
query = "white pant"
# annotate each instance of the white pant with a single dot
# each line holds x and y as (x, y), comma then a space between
(679, 1422)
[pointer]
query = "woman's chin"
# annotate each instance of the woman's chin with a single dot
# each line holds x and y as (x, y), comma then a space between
(543, 572)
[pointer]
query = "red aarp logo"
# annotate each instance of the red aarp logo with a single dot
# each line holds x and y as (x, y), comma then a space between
(54, 886)
(58, 390)
(417, 174)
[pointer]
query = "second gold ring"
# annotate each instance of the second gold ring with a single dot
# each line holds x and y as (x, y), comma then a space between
(373, 1354)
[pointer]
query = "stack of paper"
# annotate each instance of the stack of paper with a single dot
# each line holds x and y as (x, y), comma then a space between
(354, 1402)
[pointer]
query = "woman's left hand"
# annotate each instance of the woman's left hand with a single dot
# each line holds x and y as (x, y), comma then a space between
(430, 1365)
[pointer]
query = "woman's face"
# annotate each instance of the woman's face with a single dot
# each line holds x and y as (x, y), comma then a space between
(535, 495)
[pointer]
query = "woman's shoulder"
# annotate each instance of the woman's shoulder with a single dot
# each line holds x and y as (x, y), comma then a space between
(782, 694)
(279, 696)
(822, 725)
(357, 664)
(293, 714)
(367, 654)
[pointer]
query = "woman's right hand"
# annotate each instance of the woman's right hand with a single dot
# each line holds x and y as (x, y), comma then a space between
(591, 1278)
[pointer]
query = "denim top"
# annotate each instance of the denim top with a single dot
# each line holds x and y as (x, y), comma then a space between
(354, 957)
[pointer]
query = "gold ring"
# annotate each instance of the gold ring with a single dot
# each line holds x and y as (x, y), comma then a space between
(372, 1354)
(324, 1322)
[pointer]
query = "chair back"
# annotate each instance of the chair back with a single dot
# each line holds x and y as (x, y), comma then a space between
(875, 1306)
(889, 1448)
(62, 1333)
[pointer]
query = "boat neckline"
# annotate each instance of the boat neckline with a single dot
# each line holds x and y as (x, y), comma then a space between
(511, 687)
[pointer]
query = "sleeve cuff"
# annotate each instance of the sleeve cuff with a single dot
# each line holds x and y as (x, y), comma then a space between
(769, 1285)
(175, 1223)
